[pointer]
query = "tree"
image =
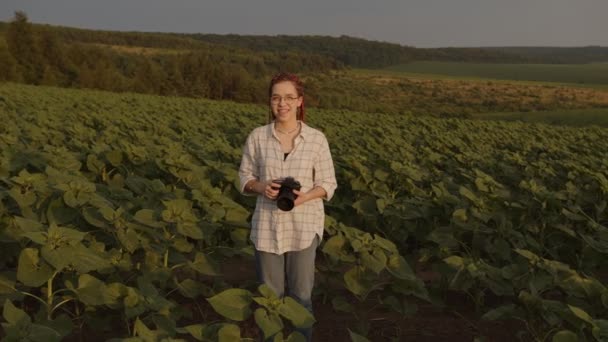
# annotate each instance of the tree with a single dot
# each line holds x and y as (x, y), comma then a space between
(8, 67)
(23, 46)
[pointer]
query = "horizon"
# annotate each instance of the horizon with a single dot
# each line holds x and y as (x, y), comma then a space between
(309, 35)
(414, 23)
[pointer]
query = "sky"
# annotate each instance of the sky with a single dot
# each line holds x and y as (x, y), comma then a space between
(419, 23)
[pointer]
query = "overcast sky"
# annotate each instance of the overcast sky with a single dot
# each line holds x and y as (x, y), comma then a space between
(420, 23)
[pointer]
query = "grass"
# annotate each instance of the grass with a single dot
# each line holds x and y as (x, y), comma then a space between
(581, 74)
(577, 117)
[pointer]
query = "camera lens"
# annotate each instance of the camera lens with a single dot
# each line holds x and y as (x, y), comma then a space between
(286, 197)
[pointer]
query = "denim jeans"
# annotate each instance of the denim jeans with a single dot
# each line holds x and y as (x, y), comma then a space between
(298, 268)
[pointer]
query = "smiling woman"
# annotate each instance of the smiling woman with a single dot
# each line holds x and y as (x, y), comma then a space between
(287, 149)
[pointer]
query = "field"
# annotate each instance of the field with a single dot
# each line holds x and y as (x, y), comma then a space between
(588, 74)
(441, 96)
(119, 215)
(575, 118)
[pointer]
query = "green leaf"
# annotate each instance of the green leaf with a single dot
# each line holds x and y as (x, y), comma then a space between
(28, 225)
(295, 336)
(147, 217)
(267, 292)
(269, 323)
(357, 281)
(376, 261)
(296, 313)
(232, 304)
(334, 245)
(41, 333)
(385, 244)
(83, 259)
(565, 336)
(190, 229)
(128, 238)
(339, 303)
(7, 282)
(582, 314)
(229, 333)
(144, 332)
(196, 331)
(114, 157)
(399, 268)
(13, 315)
(505, 311)
(190, 288)
(366, 205)
(454, 261)
(90, 290)
(354, 337)
(94, 164)
(460, 215)
(31, 271)
(204, 265)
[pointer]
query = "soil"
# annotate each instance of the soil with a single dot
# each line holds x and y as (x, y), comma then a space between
(455, 322)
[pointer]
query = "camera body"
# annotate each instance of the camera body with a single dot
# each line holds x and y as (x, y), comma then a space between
(286, 197)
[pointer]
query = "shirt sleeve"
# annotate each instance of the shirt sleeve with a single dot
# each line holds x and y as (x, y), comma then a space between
(324, 172)
(249, 166)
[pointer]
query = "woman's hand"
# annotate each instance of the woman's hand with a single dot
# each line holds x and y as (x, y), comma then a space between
(316, 192)
(302, 197)
(271, 190)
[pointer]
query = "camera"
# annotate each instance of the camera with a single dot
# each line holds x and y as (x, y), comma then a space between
(286, 197)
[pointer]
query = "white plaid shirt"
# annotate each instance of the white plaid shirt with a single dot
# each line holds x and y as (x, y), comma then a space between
(310, 163)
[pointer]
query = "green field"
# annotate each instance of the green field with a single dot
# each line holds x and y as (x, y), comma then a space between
(119, 212)
(587, 74)
(577, 118)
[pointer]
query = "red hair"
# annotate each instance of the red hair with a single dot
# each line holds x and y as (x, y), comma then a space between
(297, 83)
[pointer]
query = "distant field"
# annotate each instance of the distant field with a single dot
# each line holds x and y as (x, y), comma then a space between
(577, 117)
(596, 73)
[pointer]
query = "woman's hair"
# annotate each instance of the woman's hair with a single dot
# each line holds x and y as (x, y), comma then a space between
(297, 83)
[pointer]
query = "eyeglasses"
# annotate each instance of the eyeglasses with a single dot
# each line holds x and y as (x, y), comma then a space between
(288, 99)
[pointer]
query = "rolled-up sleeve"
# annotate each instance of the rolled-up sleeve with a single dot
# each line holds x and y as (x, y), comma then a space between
(324, 172)
(249, 168)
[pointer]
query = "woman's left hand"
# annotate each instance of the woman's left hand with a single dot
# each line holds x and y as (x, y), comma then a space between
(302, 197)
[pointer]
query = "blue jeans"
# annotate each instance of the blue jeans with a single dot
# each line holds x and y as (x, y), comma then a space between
(299, 270)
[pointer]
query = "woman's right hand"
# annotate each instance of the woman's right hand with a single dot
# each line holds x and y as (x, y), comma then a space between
(271, 190)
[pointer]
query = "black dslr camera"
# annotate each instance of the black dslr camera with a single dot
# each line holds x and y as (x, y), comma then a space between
(286, 196)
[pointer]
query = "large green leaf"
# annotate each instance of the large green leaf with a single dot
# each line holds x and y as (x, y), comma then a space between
(582, 314)
(14, 315)
(376, 261)
(354, 337)
(232, 304)
(190, 229)
(501, 312)
(339, 303)
(296, 313)
(399, 268)
(229, 333)
(145, 333)
(91, 291)
(565, 336)
(358, 281)
(31, 271)
(83, 259)
(204, 264)
(7, 282)
(270, 323)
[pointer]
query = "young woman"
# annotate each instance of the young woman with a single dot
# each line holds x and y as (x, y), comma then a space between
(286, 241)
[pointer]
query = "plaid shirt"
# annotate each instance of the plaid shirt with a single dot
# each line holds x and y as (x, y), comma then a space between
(310, 163)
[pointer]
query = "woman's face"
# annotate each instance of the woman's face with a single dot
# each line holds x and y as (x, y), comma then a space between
(284, 102)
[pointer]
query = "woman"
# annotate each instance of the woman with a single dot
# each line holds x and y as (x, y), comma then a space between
(286, 241)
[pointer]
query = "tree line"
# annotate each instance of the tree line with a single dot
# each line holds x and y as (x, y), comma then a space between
(46, 55)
